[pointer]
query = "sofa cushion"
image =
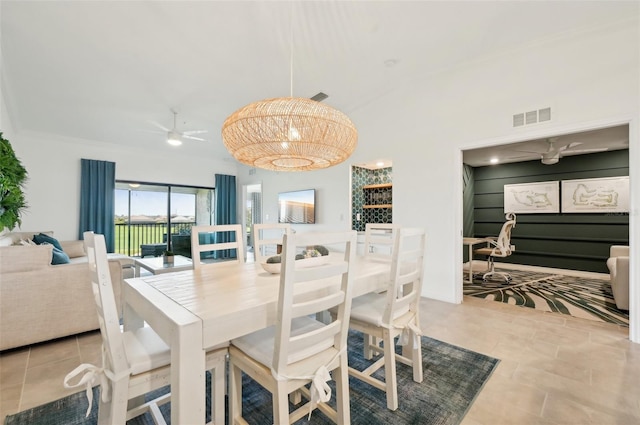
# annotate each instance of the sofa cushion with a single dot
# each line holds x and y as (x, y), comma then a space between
(18, 259)
(42, 238)
(59, 257)
(73, 249)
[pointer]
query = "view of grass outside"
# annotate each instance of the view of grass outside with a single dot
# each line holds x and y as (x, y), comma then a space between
(141, 214)
(128, 241)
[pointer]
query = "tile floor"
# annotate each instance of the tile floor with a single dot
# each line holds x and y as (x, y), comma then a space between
(554, 369)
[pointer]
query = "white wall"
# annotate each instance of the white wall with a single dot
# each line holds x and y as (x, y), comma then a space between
(53, 164)
(424, 126)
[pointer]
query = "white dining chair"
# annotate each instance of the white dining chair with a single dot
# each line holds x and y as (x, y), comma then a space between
(134, 362)
(299, 349)
(379, 239)
(382, 317)
(266, 238)
(204, 240)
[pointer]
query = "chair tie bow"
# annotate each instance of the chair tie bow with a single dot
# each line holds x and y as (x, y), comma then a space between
(410, 329)
(92, 376)
(320, 389)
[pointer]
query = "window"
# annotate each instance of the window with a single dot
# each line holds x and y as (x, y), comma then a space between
(145, 212)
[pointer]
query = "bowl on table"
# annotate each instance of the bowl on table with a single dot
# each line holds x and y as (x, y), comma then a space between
(274, 268)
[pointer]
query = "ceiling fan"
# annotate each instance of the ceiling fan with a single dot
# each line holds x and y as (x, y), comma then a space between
(176, 137)
(553, 154)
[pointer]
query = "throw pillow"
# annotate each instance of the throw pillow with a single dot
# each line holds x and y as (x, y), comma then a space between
(42, 238)
(27, 242)
(59, 257)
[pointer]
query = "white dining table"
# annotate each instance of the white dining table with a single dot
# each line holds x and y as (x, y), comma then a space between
(194, 310)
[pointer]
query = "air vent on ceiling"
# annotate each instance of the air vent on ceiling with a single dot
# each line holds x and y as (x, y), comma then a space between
(532, 117)
(320, 97)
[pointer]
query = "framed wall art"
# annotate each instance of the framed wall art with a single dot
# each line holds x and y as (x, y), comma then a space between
(608, 194)
(532, 198)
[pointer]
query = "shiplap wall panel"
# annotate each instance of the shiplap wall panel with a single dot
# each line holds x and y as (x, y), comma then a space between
(567, 241)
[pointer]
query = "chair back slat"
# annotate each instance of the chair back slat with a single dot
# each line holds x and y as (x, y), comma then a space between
(379, 238)
(333, 281)
(204, 239)
(405, 287)
(266, 237)
(313, 342)
(306, 308)
(113, 346)
(304, 274)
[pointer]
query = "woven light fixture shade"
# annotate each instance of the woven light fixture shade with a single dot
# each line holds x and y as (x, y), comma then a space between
(289, 134)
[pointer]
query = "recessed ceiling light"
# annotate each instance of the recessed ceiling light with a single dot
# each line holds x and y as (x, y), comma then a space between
(390, 63)
(494, 160)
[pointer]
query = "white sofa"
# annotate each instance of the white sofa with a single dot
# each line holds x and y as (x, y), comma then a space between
(618, 264)
(40, 301)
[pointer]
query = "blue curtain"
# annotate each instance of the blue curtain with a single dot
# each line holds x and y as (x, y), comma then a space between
(97, 199)
(226, 209)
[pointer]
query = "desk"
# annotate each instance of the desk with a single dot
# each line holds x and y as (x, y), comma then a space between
(471, 242)
(194, 310)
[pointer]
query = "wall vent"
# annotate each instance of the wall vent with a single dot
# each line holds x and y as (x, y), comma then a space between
(518, 120)
(532, 117)
(544, 114)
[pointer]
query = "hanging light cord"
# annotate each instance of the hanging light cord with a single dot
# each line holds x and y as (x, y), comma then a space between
(291, 53)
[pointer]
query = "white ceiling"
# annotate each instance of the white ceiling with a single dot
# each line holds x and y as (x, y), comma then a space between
(107, 71)
(583, 143)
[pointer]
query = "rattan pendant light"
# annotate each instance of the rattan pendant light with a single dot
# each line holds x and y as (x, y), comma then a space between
(289, 133)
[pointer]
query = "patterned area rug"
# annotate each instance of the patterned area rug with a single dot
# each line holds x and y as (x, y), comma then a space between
(453, 377)
(587, 298)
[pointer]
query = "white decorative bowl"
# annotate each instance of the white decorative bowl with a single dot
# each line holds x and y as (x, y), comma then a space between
(274, 268)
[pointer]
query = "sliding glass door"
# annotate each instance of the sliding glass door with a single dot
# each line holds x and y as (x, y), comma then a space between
(147, 213)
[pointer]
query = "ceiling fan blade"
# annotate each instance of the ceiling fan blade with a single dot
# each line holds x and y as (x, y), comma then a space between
(188, 133)
(536, 152)
(193, 138)
(160, 126)
(584, 150)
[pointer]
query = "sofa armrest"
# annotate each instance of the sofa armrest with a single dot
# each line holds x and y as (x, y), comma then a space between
(621, 270)
(619, 251)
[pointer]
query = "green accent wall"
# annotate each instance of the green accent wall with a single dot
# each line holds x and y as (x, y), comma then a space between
(568, 241)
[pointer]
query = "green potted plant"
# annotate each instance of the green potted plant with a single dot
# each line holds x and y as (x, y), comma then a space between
(12, 179)
(168, 258)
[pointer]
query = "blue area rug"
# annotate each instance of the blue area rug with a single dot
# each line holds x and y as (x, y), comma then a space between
(453, 377)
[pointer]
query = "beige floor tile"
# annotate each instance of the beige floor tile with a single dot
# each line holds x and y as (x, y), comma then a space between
(45, 353)
(13, 365)
(506, 394)
(9, 399)
(486, 414)
(44, 383)
(593, 356)
(90, 346)
(569, 411)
